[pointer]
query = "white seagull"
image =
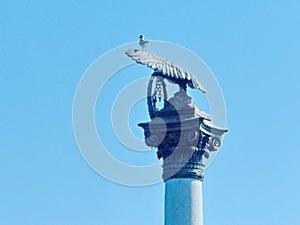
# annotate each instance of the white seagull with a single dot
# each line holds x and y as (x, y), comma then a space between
(143, 43)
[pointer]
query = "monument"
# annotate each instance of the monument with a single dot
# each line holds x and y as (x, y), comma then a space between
(183, 135)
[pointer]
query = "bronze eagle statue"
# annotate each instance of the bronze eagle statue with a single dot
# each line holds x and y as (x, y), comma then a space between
(165, 68)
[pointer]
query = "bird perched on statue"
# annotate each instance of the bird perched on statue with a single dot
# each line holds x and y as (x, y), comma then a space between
(142, 42)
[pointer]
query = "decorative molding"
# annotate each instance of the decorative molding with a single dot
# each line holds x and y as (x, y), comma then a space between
(182, 137)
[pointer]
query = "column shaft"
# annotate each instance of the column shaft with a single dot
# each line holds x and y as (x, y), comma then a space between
(183, 201)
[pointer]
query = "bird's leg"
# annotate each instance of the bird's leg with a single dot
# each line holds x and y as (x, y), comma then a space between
(182, 86)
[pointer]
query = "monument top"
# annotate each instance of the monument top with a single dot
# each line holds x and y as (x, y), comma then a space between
(183, 134)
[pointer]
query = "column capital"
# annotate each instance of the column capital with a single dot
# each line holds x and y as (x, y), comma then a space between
(183, 136)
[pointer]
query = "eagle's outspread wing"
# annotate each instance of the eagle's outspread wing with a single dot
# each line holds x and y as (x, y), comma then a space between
(167, 68)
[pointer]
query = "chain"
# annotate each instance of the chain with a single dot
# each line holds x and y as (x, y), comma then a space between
(158, 88)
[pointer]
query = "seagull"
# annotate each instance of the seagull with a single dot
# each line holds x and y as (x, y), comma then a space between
(142, 42)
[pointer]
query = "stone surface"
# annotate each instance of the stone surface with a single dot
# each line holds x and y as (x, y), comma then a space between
(183, 202)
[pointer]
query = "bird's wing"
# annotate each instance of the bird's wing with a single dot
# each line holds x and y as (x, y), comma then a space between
(166, 67)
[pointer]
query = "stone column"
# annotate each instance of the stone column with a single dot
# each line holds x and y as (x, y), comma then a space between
(183, 136)
(183, 201)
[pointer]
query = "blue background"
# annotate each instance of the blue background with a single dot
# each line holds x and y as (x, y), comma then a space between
(45, 47)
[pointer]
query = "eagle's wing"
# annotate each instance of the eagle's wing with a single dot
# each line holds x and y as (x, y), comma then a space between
(166, 67)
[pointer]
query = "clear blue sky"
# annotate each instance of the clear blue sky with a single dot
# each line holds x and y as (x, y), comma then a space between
(45, 47)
